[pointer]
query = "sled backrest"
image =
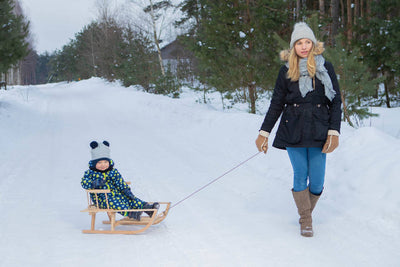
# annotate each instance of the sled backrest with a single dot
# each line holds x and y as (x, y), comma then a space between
(96, 193)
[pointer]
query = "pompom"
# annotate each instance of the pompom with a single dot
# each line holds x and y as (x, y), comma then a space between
(94, 144)
(106, 143)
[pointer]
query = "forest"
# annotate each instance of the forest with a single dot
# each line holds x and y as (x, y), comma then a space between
(232, 47)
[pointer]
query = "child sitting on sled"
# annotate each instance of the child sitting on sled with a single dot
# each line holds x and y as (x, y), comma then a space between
(103, 175)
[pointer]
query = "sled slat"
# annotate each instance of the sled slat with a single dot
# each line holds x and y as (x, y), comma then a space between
(120, 232)
(93, 221)
(144, 220)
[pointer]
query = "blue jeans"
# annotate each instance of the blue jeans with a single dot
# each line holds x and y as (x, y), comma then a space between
(308, 164)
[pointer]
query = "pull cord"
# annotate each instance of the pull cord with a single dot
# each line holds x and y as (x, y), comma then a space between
(216, 179)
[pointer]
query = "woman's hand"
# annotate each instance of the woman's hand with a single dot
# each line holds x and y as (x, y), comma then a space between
(332, 142)
(262, 143)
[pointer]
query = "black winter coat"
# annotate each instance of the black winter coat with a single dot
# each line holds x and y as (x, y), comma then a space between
(305, 120)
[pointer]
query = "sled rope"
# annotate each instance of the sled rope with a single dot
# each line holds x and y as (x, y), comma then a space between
(213, 181)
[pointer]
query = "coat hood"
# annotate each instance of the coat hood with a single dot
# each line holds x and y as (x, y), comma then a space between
(92, 165)
(319, 49)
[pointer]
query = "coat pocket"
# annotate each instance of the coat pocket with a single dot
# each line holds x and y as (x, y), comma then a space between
(320, 125)
(291, 127)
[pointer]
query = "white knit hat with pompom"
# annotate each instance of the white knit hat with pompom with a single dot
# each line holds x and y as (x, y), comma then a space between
(302, 30)
(100, 150)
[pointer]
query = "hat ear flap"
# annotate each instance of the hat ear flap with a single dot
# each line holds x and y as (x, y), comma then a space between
(106, 143)
(94, 144)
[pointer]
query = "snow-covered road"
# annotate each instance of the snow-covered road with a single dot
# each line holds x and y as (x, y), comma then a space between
(168, 148)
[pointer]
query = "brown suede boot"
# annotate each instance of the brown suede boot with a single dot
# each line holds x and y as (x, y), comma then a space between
(314, 200)
(303, 203)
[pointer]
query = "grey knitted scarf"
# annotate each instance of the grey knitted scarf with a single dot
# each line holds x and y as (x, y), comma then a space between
(305, 81)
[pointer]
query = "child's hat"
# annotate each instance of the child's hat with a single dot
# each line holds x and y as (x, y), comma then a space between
(302, 30)
(100, 151)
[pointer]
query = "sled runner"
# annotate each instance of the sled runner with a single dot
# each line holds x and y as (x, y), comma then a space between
(145, 221)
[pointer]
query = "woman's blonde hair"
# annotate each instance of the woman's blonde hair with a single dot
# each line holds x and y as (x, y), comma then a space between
(294, 72)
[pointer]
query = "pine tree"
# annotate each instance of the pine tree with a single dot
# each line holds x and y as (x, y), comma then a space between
(64, 64)
(98, 46)
(43, 68)
(139, 63)
(13, 33)
(380, 44)
(234, 43)
(356, 84)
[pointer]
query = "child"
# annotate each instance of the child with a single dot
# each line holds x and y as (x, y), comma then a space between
(103, 175)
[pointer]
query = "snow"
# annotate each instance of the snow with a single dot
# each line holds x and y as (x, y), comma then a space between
(168, 148)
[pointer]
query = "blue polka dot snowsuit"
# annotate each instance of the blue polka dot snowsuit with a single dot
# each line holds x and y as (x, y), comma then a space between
(113, 180)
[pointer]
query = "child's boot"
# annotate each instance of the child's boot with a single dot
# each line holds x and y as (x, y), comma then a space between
(155, 205)
(134, 215)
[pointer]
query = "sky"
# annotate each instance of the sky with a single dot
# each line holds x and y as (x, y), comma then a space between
(55, 22)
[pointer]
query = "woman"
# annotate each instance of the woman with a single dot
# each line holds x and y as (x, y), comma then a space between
(307, 95)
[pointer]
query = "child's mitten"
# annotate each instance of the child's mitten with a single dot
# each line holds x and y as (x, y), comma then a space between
(98, 183)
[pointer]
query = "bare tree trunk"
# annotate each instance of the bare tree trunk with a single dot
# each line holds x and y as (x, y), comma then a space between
(387, 93)
(335, 20)
(346, 116)
(389, 84)
(298, 6)
(92, 53)
(342, 16)
(5, 80)
(345, 112)
(27, 69)
(356, 16)
(325, 29)
(362, 8)
(153, 19)
(349, 22)
(321, 8)
(356, 11)
(368, 9)
(250, 76)
(252, 96)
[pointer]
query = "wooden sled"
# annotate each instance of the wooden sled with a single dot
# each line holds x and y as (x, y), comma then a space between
(145, 221)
